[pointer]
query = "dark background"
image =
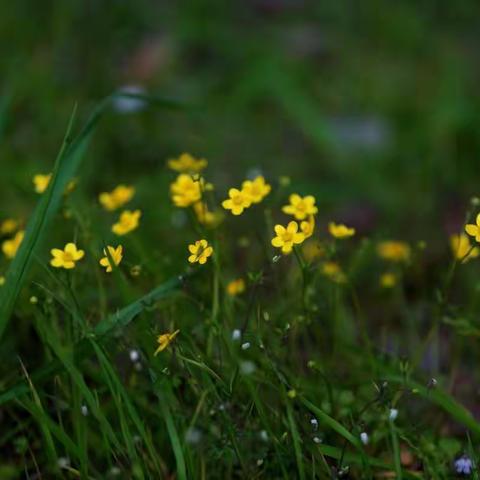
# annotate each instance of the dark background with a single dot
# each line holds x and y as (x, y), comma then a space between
(372, 106)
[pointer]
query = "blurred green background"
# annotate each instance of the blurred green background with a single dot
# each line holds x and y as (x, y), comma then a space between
(373, 106)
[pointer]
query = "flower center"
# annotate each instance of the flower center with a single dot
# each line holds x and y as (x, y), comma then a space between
(237, 199)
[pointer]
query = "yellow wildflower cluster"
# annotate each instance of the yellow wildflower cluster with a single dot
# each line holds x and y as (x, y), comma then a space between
(333, 271)
(11, 246)
(68, 257)
(164, 340)
(42, 181)
(199, 252)
(127, 222)
(236, 287)
(186, 163)
(462, 249)
(117, 198)
(394, 251)
(252, 191)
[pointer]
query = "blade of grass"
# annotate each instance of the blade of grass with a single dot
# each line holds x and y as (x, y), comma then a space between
(332, 423)
(440, 398)
(296, 441)
(117, 386)
(171, 428)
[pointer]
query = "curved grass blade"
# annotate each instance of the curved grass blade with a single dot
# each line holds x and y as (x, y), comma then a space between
(442, 399)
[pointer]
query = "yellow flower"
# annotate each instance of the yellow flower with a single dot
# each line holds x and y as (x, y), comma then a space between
(115, 254)
(10, 247)
(164, 340)
(256, 189)
(67, 257)
(186, 190)
(300, 207)
(287, 237)
(307, 227)
(8, 226)
(2, 280)
(333, 271)
(127, 222)
(41, 182)
(312, 250)
(340, 230)
(205, 216)
(474, 229)
(237, 202)
(388, 280)
(200, 251)
(394, 251)
(235, 287)
(118, 197)
(187, 163)
(462, 248)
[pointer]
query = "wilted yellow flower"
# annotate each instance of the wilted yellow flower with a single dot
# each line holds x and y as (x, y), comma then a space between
(127, 222)
(67, 257)
(186, 163)
(340, 230)
(235, 287)
(388, 280)
(117, 198)
(200, 251)
(205, 216)
(287, 237)
(256, 189)
(164, 340)
(8, 226)
(462, 248)
(237, 202)
(474, 229)
(300, 207)
(308, 226)
(10, 247)
(115, 254)
(394, 251)
(186, 190)
(333, 271)
(41, 181)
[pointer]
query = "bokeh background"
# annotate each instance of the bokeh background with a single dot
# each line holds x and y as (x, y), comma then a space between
(372, 106)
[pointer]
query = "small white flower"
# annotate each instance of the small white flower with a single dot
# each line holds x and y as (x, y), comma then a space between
(129, 104)
(134, 355)
(236, 334)
(84, 410)
(317, 440)
(264, 435)
(393, 414)
(364, 438)
(193, 436)
(245, 346)
(63, 462)
(314, 423)
(114, 471)
(247, 368)
(259, 462)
